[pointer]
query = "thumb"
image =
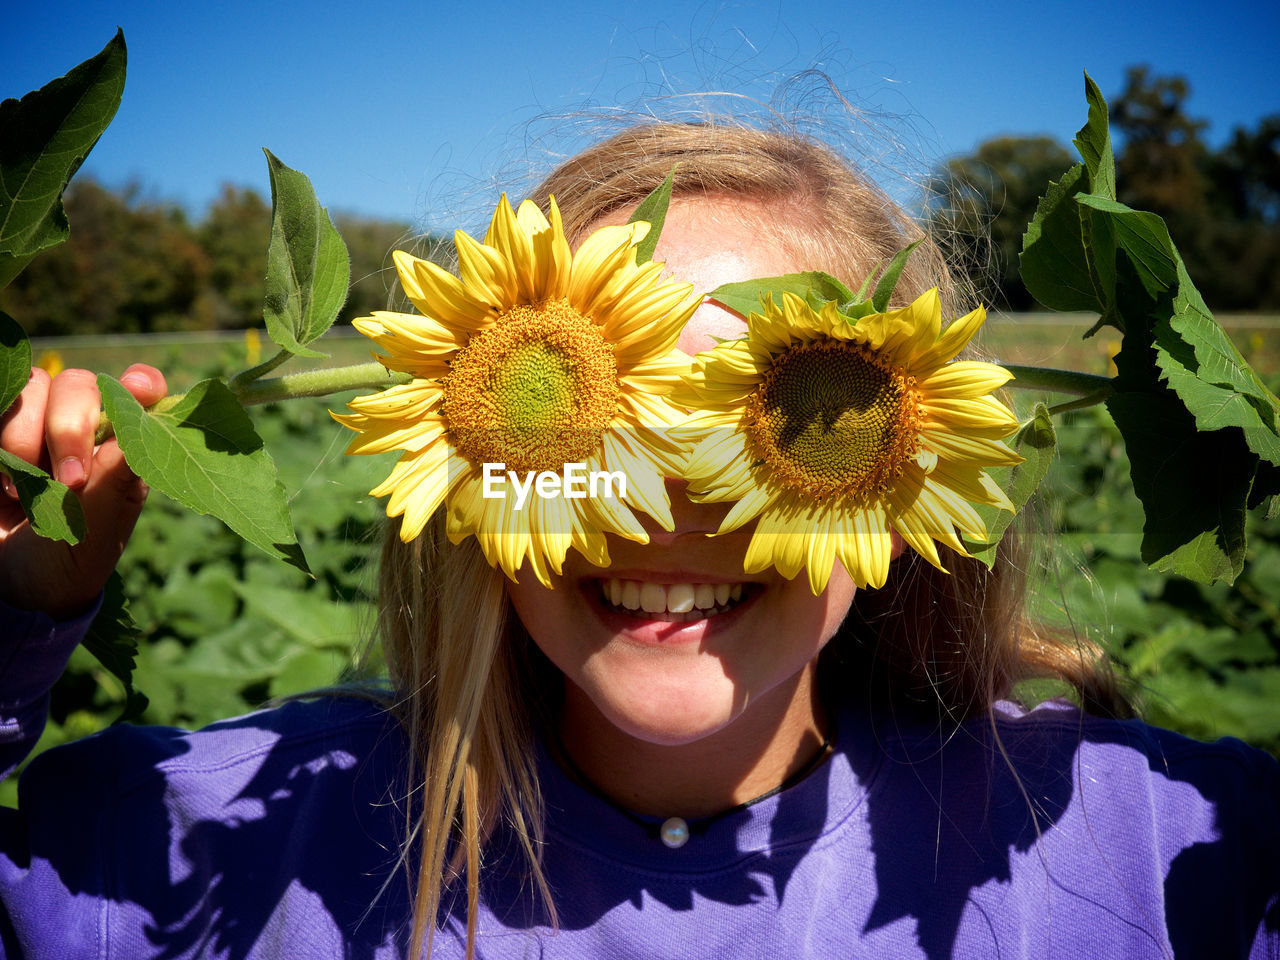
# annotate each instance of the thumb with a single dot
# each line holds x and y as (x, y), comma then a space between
(112, 501)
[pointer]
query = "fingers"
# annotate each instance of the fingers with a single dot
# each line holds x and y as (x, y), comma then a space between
(146, 383)
(112, 501)
(53, 422)
(22, 428)
(70, 421)
(114, 495)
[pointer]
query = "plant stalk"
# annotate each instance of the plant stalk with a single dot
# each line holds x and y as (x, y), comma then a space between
(1089, 385)
(318, 383)
(310, 383)
(261, 370)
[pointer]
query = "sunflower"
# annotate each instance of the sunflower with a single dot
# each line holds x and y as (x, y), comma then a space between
(533, 358)
(831, 433)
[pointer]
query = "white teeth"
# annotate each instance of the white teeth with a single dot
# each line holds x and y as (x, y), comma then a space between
(653, 598)
(676, 598)
(680, 597)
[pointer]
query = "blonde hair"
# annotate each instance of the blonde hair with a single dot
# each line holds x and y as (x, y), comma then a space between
(470, 684)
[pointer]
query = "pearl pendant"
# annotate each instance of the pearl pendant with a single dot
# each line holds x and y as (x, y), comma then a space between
(674, 832)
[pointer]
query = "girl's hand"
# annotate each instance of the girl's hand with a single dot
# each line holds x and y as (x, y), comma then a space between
(52, 424)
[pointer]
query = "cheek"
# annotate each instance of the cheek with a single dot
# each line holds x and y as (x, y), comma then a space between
(819, 617)
(543, 612)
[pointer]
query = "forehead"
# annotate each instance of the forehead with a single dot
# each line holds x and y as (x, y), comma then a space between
(709, 241)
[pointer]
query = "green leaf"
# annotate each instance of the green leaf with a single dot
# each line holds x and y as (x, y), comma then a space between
(44, 137)
(1193, 490)
(1055, 259)
(1094, 143)
(113, 638)
(308, 616)
(52, 509)
(653, 210)
(1210, 376)
(889, 279)
(15, 360)
(815, 287)
(1144, 237)
(1068, 253)
(308, 270)
(1036, 441)
(203, 452)
(305, 670)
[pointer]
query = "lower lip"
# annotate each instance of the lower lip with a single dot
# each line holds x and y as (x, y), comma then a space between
(661, 633)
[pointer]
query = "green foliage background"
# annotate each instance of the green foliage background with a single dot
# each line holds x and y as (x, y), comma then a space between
(1200, 659)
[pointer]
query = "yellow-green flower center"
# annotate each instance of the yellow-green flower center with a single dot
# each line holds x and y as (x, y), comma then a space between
(834, 419)
(534, 391)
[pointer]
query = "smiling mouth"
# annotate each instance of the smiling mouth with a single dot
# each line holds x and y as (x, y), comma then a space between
(672, 602)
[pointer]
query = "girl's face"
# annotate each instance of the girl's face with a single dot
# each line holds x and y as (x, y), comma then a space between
(666, 678)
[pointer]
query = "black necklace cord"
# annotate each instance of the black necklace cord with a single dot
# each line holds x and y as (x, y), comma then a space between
(669, 830)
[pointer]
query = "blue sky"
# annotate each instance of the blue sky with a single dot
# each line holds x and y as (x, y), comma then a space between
(423, 110)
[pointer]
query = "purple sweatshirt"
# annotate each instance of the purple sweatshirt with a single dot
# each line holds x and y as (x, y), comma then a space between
(276, 835)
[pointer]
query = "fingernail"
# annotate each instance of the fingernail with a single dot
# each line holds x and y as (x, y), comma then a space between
(71, 472)
(135, 380)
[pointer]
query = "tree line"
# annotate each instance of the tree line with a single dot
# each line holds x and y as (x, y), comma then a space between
(1222, 205)
(135, 265)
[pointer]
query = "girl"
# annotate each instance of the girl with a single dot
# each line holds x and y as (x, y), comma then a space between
(761, 770)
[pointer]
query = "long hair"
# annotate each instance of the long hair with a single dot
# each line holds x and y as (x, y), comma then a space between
(469, 684)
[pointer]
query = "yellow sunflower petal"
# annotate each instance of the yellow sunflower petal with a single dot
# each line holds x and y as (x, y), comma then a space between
(780, 540)
(864, 546)
(443, 297)
(645, 488)
(971, 483)
(552, 258)
(966, 378)
(745, 510)
(843, 432)
(821, 554)
(487, 276)
(552, 524)
(717, 453)
(954, 339)
(529, 361)
(982, 416)
(417, 484)
(511, 258)
(954, 446)
(599, 261)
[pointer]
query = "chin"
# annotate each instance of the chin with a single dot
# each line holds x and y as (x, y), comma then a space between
(663, 710)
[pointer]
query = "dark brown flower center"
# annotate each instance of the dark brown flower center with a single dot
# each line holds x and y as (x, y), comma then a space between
(833, 419)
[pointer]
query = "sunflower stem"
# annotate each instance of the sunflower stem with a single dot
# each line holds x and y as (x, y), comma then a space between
(1090, 386)
(310, 383)
(246, 377)
(318, 383)
(1080, 403)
